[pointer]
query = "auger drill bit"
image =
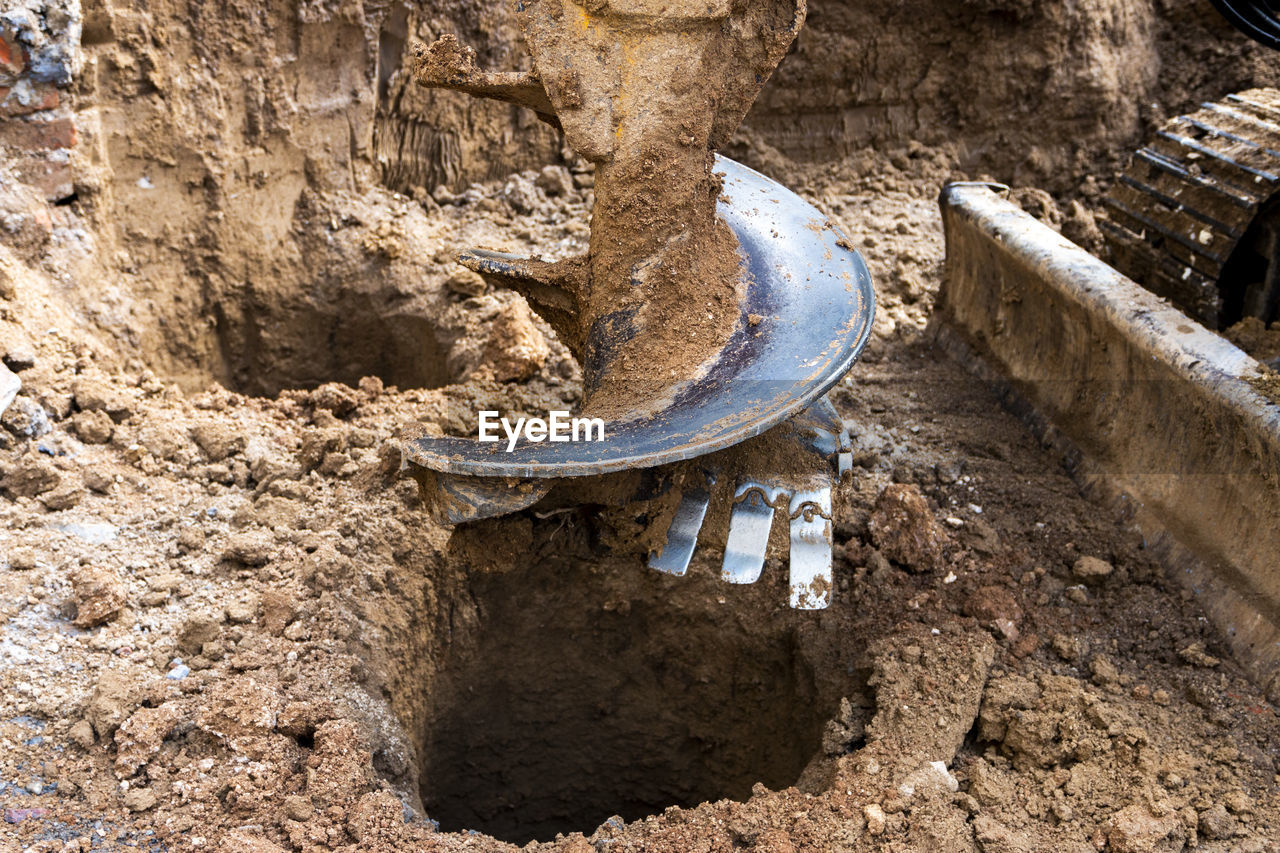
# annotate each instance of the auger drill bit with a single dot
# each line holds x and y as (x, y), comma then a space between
(712, 306)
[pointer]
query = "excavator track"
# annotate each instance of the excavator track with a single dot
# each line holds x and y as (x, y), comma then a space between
(1194, 217)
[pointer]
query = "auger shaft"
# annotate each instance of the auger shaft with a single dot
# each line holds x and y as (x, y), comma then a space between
(711, 312)
(645, 90)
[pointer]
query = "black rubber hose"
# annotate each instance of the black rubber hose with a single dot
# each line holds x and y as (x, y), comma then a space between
(1258, 19)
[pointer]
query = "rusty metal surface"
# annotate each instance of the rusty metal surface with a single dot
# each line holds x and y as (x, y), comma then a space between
(1182, 214)
(815, 300)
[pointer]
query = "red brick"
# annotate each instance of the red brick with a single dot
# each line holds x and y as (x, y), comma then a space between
(46, 98)
(12, 59)
(51, 178)
(34, 135)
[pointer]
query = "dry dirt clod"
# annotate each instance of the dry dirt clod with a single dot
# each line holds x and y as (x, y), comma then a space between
(1002, 699)
(875, 818)
(93, 426)
(994, 837)
(377, 817)
(522, 194)
(241, 612)
(111, 703)
(191, 538)
(1195, 654)
(251, 548)
(335, 397)
(25, 418)
(244, 841)
(555, 181)
(82, 734)
(99, 395)
(903, 528)
(141, 736)
(140, 799)
(996, 607)
(218, 440)
(22, 559)
(1216, 823)
(298, 808)
(99, 595)
(19, 358)
(68, 493)
(516, 349)
(466, 282)
(845, 729)
(910, 734)
(1134, 829)
(1091, 569)
(196, 632)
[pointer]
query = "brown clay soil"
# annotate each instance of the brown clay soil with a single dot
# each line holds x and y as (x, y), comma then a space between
(226, 622)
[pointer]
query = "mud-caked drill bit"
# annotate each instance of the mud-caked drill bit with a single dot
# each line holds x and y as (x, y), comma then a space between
(712, 304)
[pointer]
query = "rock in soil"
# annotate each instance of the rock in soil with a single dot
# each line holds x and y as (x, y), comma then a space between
(10, 385)
(99, 595)
(904, 529)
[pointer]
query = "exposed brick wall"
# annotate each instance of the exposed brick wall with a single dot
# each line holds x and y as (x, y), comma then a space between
(39, 57)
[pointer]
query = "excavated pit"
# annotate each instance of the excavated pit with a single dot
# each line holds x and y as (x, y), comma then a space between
(362, 301)
(584, 692)
(265, 349)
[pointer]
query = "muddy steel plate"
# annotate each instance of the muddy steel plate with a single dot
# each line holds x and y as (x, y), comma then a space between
(816, 298)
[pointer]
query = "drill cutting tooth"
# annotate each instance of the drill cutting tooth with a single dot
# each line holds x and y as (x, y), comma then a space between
(457, 500)
(682, 535)
(749, 525)
(844, 459)
(811, 548)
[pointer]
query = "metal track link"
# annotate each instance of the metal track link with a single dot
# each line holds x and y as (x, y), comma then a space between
(1188, 201)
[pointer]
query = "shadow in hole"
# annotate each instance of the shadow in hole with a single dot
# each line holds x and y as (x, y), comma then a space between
(557, 713)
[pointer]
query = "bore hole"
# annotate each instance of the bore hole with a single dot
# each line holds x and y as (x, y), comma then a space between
(570, 703)
(305, 341)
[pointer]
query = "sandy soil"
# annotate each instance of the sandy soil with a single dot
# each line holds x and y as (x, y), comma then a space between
(226, 622)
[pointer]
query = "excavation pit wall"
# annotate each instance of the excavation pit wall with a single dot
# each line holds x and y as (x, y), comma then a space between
(358, 287)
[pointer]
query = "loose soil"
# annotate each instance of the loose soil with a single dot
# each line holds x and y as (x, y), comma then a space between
(227, 623)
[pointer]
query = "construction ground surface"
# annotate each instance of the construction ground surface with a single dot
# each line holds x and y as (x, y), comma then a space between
(227, 284)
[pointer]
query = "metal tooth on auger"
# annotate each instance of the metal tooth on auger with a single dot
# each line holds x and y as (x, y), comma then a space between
(844, 459)
(749, 524)
(811, 549)
(756, 500)
(682, 535)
